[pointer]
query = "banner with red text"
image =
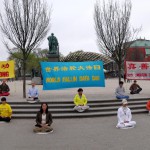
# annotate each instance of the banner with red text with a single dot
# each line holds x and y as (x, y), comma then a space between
(138, 70)
(7, 69)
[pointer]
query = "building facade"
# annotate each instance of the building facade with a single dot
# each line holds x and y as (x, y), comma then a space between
(139, 51)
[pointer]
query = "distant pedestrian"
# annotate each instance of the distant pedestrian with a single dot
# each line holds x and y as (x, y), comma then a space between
(128, 80)
(124, 77)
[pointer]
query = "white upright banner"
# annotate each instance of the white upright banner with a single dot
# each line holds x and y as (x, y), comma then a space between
(137, 70)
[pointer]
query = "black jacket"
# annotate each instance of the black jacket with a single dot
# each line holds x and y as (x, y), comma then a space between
(39, 119)
(4, 88)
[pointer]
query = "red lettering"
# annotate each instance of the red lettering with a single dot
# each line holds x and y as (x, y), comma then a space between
(4, 66)
(144, 66)
(7, 65)
(4, 74)
(144, 74)
(132, 66)
(138, 74)
(129, 75)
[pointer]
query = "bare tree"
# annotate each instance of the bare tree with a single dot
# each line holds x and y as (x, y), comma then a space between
(112, 25)
(25, 23)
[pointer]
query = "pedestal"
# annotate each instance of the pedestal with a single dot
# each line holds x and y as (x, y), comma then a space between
(37, 80)
(53, 57)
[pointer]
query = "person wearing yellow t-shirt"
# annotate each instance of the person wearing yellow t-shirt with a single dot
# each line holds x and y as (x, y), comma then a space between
(80, 101)
(5, 110)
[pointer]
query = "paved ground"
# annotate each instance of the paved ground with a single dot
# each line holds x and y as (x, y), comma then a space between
(68, 94)
(77, 134)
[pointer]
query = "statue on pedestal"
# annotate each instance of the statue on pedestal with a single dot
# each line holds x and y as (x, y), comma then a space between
(53, 44)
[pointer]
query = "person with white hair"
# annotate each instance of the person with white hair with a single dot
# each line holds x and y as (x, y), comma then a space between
(124, 116)
(33, 93)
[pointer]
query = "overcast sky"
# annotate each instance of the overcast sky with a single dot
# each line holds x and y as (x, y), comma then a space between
(73, 25)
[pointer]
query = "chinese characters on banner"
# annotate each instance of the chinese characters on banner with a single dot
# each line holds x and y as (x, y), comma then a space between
(7, 69)
(58, 75)
(138, 70)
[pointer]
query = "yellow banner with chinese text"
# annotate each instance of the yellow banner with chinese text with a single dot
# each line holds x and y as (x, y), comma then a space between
(7, 69)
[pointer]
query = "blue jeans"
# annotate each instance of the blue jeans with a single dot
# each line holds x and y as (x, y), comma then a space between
(122, 97)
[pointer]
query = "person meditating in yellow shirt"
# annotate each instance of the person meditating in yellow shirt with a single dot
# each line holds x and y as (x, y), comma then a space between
(80, 101)
(5, 111)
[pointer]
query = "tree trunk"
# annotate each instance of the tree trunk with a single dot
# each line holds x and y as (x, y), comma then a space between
(119, 71)
(24, 78)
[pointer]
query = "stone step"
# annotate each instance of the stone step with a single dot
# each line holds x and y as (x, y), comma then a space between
(71, 101)
(106, 104)
(69, 110)
(64, 109)
(77, 115)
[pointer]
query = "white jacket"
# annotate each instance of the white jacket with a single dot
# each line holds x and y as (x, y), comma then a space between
(124, 114)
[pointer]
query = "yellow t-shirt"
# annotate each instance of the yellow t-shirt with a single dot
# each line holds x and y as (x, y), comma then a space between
(80, 100)
(5, 110)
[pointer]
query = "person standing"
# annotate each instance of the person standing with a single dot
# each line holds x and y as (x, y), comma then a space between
(135, 88)
(5, 110)
(124, 77)
(124, 116)
(43, 120)
(33, 93)
(120, 92)
(80, 101)
(4, 89)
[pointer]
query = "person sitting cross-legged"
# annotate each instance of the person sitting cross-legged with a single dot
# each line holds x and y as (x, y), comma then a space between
(148, 107)
(5, 110)
(33, 93)
(120, 92)
(43, 120)
(124, 116)
(4, 89)
(80, 101)
(135, 88)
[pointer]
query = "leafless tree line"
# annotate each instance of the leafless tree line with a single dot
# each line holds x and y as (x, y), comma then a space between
(25, 23)
(114, 33)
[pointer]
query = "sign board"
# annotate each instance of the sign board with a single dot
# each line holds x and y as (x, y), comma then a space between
(138, 70)
(7, 69)
(58, 75)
